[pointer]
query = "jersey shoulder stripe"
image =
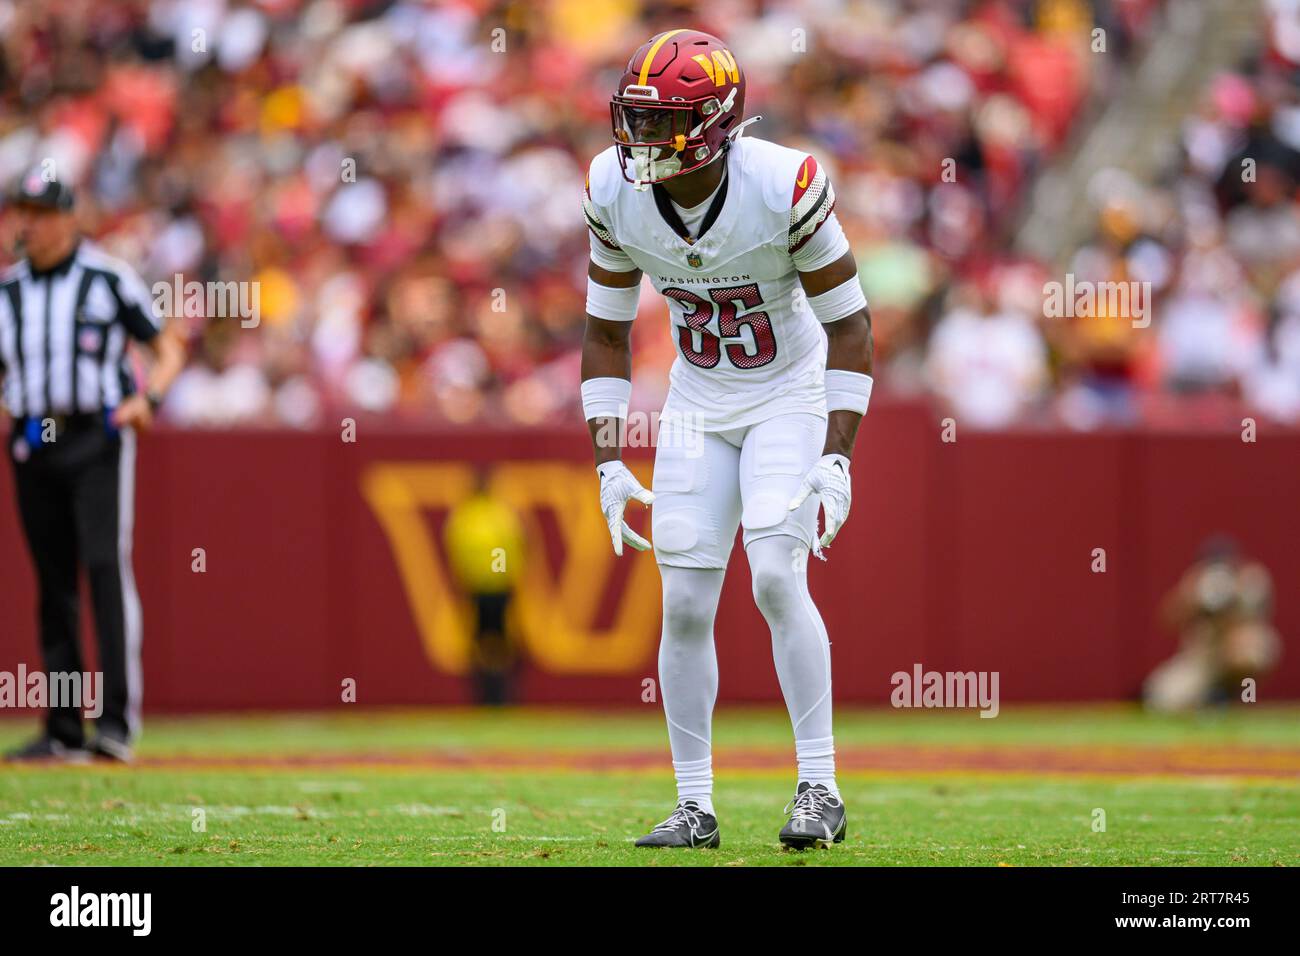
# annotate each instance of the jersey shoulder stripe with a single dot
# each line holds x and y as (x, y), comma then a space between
(599, 192)
(811, 203)
(594, 223)
(807, 173)
(794, 185)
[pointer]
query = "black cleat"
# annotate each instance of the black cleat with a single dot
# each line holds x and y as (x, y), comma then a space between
(46, 749)
(688, 825)
(816, 818)
(110, 749)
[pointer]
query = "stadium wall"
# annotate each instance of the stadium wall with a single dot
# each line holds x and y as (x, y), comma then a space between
(323, 562)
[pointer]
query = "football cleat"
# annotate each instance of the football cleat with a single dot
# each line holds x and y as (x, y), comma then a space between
(687, 825)
(817, 818)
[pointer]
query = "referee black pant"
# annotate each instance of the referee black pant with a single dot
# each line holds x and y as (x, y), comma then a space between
(76, 497)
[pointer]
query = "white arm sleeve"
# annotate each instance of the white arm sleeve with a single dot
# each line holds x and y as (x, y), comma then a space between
(825, 246)
(611, 304)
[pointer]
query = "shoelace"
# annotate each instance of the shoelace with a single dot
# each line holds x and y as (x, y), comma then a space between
(683, 814)
(807, 806)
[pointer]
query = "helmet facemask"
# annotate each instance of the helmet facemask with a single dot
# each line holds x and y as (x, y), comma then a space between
(660, 139)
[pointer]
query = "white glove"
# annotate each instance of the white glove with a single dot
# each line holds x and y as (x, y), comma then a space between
(829, 478)
(617, 485)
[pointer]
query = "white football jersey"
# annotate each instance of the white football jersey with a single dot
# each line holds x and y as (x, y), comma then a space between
(748, 346)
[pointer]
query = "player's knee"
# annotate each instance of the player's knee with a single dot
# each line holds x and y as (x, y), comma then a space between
(686, 620)
(775, 590)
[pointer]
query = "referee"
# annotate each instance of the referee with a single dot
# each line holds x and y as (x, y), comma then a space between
(67, 311)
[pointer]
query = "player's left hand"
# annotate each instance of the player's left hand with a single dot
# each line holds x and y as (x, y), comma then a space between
(135, 412)
(829, 478)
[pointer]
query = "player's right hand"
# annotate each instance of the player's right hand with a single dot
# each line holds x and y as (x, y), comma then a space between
(617, 485)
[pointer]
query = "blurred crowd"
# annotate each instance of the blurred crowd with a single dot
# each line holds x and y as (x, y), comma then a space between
(1215, 240)
(402, 181)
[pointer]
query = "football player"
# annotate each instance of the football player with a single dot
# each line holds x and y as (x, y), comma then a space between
(764, 399)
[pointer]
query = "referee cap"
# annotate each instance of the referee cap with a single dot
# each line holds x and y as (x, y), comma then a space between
(34, 189)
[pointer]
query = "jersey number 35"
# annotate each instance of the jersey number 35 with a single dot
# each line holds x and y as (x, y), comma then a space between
(700, 313)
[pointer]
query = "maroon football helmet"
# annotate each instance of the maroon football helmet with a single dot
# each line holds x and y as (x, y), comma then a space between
(679, 102)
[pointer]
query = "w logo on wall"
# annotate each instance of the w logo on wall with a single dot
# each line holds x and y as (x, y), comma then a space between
(559, 604)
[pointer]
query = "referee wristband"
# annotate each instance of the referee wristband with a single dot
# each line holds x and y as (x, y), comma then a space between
(849, 391)
(841, 301)
(605, 398)
(614, 305)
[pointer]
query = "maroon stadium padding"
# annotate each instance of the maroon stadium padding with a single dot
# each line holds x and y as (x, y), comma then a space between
(324, 562)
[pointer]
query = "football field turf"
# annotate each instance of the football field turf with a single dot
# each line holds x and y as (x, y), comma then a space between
(557, 787)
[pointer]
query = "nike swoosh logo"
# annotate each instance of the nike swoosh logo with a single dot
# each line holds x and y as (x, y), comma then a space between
(802, 181)
(840, 465)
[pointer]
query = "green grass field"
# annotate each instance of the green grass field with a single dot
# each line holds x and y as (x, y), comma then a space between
(543, 787)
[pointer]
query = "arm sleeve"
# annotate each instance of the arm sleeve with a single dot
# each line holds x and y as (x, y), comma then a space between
(811, 205)
(134, 305)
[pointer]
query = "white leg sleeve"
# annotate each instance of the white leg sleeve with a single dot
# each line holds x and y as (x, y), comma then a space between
(688, 675)
(778, 565)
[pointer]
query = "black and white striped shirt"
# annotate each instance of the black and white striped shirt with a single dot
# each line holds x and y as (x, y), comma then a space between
(63, 333)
